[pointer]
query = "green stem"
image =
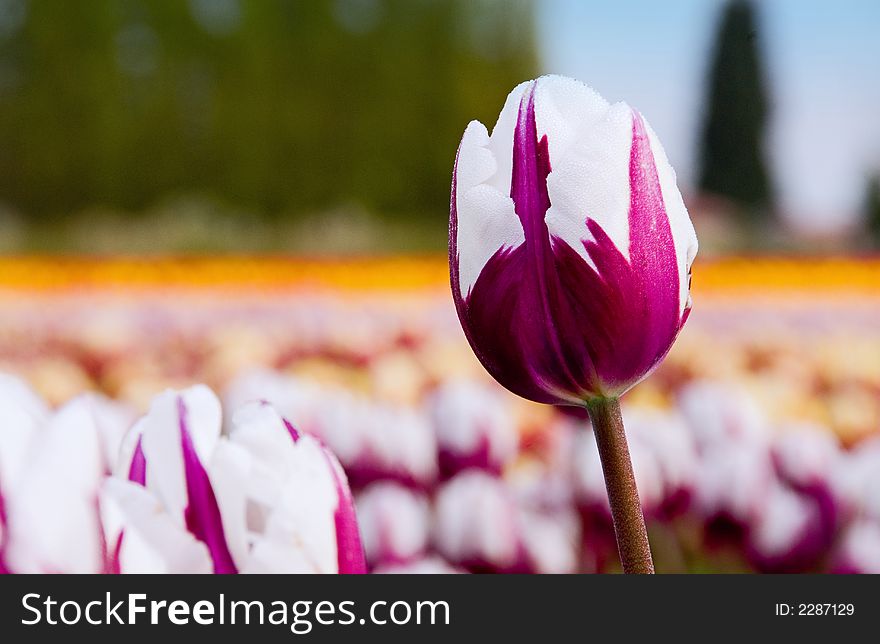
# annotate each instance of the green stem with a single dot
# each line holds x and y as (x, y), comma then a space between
(623, 496)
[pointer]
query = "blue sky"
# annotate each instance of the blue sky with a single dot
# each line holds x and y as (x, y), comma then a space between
(823, 67)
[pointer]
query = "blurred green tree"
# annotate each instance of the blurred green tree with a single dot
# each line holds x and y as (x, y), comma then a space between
(872, 209)
(731, 148)
(277, 107)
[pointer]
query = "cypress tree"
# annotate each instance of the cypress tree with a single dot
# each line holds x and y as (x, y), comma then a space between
(872, 210)
(731, 154)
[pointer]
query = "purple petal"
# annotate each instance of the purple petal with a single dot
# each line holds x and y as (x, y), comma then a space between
(202, 515)
(137, 471)
(547, 325)
(350, 551)
(451, 461)
(3, 569)
(113, 565)
(291, 430)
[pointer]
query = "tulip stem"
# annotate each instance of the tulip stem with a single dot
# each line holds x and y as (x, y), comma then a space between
(623, 496)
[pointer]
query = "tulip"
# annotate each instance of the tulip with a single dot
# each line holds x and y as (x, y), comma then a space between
(395, 523)
(790, 534)
(476, 524)
(473, 427)
(550, 540)
(51, 469)
(719, 415)
(377, 441)
(432, 565)
(573, 285)
(373, 441)
(733, 482)
(856, 481)
(480, 526)
(265, 498)
(859, 550)
(570, 251)
(806, 458)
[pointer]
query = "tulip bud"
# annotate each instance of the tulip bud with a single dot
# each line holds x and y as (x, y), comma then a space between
(263, 499)
(859, 550)
(51, 469)
(473, 428)
(395, 523)
(432, 565)
(719, 415)
(733, 482)
(477, 524)
(376, 441)
(790, 533)
(856, 481)
(373, 441)
(570, 246)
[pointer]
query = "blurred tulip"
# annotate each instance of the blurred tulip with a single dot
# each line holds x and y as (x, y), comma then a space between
(589, 481)
(264, 499)
(51, 469)
(373, 441)
(856, 481)
(719, 414)
(790, 533)
(733, 481)
(569, 247)
(859, 549)
(395, 523)
(428, 566)
(550, 540)
(670, 444)
(474, 428)
(806, 458)
(480, 526)
(376, 441)
(477, 524)
(805, 455)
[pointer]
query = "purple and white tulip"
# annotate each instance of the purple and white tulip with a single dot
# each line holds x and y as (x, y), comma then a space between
(474, 428)
(265, 498)
(790, 534)
(859, 549)
(733, 482)
(856, 481)
(432, 565)
(395, 523)
(51, 469)
(569, 246)
(476, 524)
(374, 441)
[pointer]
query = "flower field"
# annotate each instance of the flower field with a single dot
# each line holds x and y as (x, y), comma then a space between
(756, 444)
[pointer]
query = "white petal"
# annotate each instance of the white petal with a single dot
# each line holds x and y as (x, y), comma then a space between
(162, 443)
(487, 220)
(592, 181)
(22, 414)
(394, 522)
(286, 499)
(152, 542)
(52, 509)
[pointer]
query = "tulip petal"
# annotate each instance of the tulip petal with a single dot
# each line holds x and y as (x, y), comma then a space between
(553, 327)
(202, 515)
(350, 551)
(137, 471)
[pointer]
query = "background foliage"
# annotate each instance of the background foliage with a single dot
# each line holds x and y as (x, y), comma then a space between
(276, 107)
